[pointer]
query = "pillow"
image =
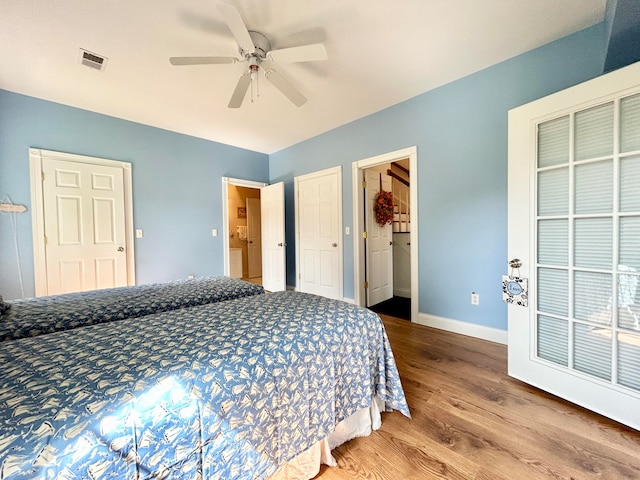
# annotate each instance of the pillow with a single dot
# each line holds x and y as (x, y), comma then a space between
(4, 306)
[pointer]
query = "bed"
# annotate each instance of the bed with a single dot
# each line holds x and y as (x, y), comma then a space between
(237, 389)
(37, 316)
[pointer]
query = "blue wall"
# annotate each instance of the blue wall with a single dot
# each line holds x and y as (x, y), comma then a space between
(460, 130)
(176, 186)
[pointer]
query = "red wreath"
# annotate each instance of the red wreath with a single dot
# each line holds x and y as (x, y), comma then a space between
(383, 208)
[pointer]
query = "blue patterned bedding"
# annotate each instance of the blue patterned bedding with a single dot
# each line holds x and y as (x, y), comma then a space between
(36, 316)
(230, 390)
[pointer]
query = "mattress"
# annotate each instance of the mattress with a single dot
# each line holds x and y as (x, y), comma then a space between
(230, 390)
(37, 316)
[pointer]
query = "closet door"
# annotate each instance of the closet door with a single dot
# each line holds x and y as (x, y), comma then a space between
(574, 220)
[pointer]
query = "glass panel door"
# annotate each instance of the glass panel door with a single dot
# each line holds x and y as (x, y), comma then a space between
(587, 245)
(574, 224)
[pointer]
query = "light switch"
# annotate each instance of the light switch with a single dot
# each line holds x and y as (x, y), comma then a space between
(347, 231)
(139, 233)
(214, 232)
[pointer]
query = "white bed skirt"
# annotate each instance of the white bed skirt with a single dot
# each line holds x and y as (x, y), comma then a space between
(307, 464)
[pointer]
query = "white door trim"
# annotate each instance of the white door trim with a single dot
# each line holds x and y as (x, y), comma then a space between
(36, 157)
(358, 223)
(321, 173)
(239, 182)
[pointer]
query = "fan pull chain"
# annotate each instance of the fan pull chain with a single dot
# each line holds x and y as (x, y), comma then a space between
(253, 69)
(255, 84)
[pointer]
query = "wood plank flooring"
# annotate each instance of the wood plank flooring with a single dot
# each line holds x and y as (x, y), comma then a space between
(472, 421)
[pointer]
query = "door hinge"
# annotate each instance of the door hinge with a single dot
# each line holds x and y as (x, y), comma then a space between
(364, 235)
(42, 175)
(45, 239)
(364, 184)
(366, 284)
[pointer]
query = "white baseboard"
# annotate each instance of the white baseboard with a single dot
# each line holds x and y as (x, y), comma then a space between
(402, 292)
(464, 328)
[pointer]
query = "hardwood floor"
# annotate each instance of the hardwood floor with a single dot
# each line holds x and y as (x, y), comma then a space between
(472, 421)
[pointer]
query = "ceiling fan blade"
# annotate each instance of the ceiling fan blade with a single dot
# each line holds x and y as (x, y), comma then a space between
(201, 60)
(303, 53)
(285, 87)
(239, 30)
(241, 90)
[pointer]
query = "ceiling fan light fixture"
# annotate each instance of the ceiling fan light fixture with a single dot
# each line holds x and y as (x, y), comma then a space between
(254, 48)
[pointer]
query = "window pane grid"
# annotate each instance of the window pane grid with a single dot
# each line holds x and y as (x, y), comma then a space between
(587, 254)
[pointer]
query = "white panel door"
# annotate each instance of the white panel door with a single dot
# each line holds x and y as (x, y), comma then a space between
(378, 244)
(273, 242)
(254, 238)
(574, 221)
(84, 223)
(319, 234)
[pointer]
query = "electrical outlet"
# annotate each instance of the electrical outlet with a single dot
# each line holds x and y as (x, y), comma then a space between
(475, 298)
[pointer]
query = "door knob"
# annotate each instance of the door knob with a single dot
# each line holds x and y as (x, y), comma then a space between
(390, 243)
(121, 249)
(280, 244)
(334, 244)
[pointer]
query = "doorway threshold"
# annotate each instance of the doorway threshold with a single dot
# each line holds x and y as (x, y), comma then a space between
(398, 307)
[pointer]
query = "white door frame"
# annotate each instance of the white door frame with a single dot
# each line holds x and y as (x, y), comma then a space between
(36, 157)
(358, 223)
(226, 181)
(328, 171)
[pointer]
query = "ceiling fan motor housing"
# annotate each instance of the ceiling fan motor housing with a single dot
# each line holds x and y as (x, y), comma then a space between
(254, 48)
(261, 44)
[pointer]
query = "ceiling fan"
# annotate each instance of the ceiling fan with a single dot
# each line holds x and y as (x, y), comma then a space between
(254, 49)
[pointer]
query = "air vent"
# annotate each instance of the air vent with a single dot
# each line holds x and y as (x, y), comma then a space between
(93, 60)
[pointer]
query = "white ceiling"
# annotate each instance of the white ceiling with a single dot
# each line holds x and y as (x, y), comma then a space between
(381, 52)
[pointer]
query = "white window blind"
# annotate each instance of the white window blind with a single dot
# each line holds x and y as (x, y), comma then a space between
(588, 242)
(630, 124)
(594, 187)
(553, 242)
(594, 132)
(552, 340)
(553, 186)
(553, 142)
(630, 184)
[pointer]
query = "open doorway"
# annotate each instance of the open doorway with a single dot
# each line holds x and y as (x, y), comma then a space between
(245, 245)
(385, 257)
(387, 245)
(242, 226)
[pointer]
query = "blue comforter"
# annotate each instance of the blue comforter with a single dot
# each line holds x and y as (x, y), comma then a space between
(37, 316)
(230, 390)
